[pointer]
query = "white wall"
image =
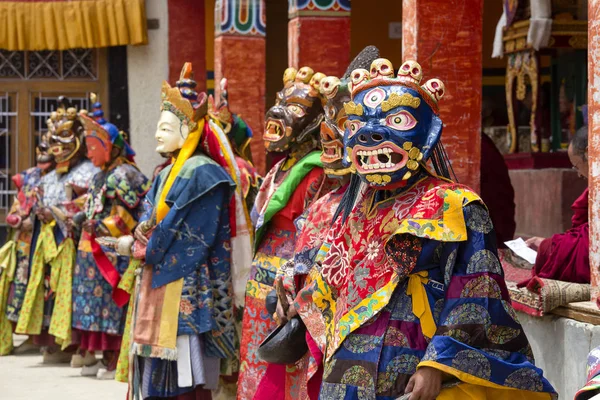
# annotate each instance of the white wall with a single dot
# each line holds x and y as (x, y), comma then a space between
(561, 347)
(147, 68)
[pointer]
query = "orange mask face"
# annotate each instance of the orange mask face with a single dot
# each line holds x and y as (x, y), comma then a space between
(98, 151)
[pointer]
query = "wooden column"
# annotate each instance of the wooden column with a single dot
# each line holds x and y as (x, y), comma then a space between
(186, 40)
(445, 37)
(319, 35)
(594, 140)
(240, 57)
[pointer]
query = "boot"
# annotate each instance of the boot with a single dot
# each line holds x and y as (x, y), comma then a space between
(57, 357)
(77, 361)
(91, 370)
(27, 347)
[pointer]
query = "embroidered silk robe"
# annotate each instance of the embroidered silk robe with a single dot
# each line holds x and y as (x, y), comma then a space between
(192, 242)
(282, 198)
(114, 201)
(303, 379)
(413, 280)
(26, 183)
(48, 299)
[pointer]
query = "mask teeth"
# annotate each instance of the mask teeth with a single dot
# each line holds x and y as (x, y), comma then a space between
(383, 159)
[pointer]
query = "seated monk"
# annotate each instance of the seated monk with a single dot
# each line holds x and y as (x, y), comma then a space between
(566, 256)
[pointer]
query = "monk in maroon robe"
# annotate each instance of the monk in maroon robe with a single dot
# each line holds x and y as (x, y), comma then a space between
(566, 256)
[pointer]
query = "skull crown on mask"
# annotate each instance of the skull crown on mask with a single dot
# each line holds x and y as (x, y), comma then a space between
(64, 140)
(297, 113)
(393, 123)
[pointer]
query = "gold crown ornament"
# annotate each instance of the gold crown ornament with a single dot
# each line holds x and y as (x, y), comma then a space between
(63, 119)
(220, 111)
(182, 100)
(92, 128)
(409, 75)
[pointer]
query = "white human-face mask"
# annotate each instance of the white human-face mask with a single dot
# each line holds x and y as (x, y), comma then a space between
(170, 133)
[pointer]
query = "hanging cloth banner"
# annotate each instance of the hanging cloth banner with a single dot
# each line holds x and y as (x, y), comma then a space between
(68, 24)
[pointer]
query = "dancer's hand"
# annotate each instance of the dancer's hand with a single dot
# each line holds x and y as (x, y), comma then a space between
(425, 384)
(101, 231)
(89, 226)
(26, 225)
(284, 316)
(140, 234)
(45, 215)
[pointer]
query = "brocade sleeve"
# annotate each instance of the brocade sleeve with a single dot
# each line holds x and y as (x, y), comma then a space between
(186, 235)
(478, 334)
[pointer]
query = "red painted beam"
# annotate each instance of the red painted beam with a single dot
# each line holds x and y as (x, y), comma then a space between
(322, 43)
(241, 59)
(187, 40)
(445, 37)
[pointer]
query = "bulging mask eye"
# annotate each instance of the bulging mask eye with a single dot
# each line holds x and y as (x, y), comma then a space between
(353, 126)
(374, 97)
(296, 110)
(330, 112)
(401, 121)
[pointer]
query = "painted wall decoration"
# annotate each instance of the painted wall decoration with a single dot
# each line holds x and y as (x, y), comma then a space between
(308, 6)
(240, 17)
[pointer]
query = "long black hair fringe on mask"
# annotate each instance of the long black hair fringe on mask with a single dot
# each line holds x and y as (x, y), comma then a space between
(441, 162)
(348, 199)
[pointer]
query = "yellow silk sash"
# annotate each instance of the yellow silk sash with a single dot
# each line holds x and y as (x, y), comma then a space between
(170, 310)
(420, 302)
(8, 264)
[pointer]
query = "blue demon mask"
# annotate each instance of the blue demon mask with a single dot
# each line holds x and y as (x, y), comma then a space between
(393, 123)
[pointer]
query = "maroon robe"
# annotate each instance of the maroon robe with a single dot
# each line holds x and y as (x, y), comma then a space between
(566, 256)
(497, 191)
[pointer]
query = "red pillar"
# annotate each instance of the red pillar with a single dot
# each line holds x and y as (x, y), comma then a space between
(594, 140)
(319, 36)
(186, 39)
(445, 37)
(240, 57)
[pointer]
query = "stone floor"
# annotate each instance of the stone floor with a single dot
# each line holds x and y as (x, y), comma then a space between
(25, 377)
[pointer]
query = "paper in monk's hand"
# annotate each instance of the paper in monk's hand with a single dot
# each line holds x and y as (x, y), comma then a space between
(520, 248)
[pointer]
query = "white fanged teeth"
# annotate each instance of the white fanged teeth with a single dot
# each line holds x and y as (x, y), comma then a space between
(370, 160)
